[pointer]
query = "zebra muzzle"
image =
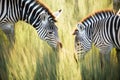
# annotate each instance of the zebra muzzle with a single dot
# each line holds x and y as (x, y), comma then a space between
(59, 44)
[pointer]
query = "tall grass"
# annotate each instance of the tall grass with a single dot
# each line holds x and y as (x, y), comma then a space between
(30, 58)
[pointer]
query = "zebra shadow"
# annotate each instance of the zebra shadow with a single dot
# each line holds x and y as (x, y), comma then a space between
(46, 68)
(4, 50)
(91, 67)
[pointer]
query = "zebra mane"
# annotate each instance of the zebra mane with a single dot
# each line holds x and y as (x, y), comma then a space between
(104, 13)
(46, 8)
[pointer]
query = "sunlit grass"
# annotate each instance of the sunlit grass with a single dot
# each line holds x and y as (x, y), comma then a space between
(30, 58)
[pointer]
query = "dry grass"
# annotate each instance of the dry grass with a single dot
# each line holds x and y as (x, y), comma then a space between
(30, 58)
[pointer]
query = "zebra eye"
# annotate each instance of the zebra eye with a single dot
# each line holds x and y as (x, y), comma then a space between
(43, 16)
(81, 28)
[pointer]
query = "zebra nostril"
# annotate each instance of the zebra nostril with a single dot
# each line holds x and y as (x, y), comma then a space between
(81, 49)
(78, 44)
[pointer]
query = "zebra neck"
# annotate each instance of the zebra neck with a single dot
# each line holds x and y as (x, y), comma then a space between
(96, 30)
(30, 12)
(90, 30)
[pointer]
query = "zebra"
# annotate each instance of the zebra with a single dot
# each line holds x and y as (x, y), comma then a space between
(32, 12)
(102, 29)
(118, 12)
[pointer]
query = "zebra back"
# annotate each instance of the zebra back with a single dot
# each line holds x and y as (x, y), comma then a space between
(47, 9)
(99, 15)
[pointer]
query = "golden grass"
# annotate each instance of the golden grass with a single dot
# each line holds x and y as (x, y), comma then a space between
(30, 58)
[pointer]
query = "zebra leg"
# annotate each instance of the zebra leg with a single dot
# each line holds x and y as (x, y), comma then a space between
(8, 29)
(118, 59)
(104, 59)
(101, 60)
(105, 56)
(118, 55)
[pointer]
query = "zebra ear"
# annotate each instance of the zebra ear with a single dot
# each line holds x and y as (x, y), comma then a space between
(118, 13)
(75, 32)
(57, 13)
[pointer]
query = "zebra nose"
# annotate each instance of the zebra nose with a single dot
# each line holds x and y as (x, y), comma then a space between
(59, 44)
(81, 49)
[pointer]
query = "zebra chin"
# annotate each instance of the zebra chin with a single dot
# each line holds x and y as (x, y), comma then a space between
(81, 54)
(57, 45)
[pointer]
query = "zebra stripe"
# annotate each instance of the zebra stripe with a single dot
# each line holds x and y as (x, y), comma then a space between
(32, 12)
(102, 29)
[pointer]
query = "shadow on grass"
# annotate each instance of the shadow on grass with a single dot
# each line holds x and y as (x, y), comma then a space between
(46, 68)
(118, 58)
(91, 69)
(4, 50)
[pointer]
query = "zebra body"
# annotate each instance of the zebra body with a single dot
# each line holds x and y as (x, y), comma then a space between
(32, 12)
(102, 29)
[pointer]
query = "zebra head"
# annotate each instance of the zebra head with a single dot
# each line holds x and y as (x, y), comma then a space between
(48, 31)
(82, 41)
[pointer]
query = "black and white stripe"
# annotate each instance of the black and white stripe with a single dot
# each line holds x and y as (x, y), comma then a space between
(32, 12)
(102, 29)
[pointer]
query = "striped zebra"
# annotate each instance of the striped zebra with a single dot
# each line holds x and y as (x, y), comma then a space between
(32, 12)
(102, 29)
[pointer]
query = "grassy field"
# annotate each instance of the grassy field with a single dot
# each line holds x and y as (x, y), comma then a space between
(30, 58)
